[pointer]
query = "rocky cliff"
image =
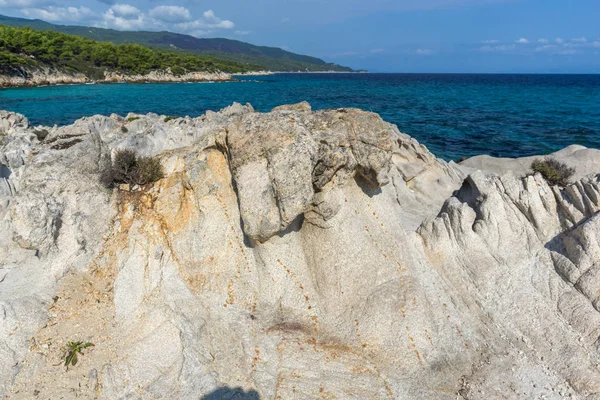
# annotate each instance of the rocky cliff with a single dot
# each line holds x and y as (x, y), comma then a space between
(291, 255)
(40, 76)
(20, 77)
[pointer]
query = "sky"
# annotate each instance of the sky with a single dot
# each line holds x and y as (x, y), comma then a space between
(472, 36)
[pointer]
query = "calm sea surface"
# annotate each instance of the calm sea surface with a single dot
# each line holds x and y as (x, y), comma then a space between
(453, 115)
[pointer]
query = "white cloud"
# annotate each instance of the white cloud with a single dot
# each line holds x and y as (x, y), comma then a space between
(60, 14)
(171, 14)
(123, 16)
(567, 52)
(111, 19)
(377, 51)
(125, 11)
(208, 22)
(546, 47)
(213, 19)
(581, 44)
(424, 52)
(557, 46)
(284, 20)
(22, 3)
(499, 48)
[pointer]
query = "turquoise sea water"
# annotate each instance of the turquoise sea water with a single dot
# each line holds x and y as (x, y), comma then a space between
(453, 115)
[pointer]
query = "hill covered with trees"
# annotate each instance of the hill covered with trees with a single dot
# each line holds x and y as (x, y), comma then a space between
(270, 58)
(26, 47)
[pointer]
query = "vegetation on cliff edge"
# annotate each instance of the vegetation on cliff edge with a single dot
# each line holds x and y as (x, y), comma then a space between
(553, 171)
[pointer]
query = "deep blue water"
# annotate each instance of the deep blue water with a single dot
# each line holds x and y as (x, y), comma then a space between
(453, 115)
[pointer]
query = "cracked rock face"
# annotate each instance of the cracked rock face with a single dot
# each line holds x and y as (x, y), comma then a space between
(281, 160)
(291, 254)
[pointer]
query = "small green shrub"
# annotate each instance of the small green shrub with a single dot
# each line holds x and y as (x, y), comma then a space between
(553, 171)
(131, 119)
(170, 118)
(128, 168)
(74, 348)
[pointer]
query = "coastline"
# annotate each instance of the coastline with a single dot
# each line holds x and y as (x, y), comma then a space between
(260, 73)
(52, 77)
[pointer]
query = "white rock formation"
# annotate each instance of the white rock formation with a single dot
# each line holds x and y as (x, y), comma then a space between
(168, 76)
(585, 161)
(42, 76)
(290, 255)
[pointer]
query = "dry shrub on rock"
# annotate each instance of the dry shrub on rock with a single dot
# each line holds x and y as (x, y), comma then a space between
(128, 168)
(553, 171)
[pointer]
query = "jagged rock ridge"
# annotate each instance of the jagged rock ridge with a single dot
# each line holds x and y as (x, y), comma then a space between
(297, 254)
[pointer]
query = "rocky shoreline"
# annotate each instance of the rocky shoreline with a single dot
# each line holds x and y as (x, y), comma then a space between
(50, 77)
(292, 254)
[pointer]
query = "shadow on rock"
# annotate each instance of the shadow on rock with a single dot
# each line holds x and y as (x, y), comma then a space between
(4, 171)
(367, 186)
(227, 393)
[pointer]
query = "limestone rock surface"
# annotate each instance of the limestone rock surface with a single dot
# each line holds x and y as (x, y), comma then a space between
(295, 254)
(43, 76)
(39, 76)
(585, 161)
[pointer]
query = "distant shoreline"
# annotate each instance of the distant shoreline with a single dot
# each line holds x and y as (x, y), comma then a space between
(49, 77)
(266, 73)
(46, 77)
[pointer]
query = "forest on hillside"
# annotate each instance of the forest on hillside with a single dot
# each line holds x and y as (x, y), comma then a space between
(21, 47)
(270, 58)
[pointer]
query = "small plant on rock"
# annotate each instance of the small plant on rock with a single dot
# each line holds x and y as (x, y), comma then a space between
(128, 168)
(131, 119)
(147, 170)
(553, 171)
(74, 348)
(170, 118)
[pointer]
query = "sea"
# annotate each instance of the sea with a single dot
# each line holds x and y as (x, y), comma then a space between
(454, 115)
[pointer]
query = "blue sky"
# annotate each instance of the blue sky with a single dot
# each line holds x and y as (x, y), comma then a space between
(379, 35)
